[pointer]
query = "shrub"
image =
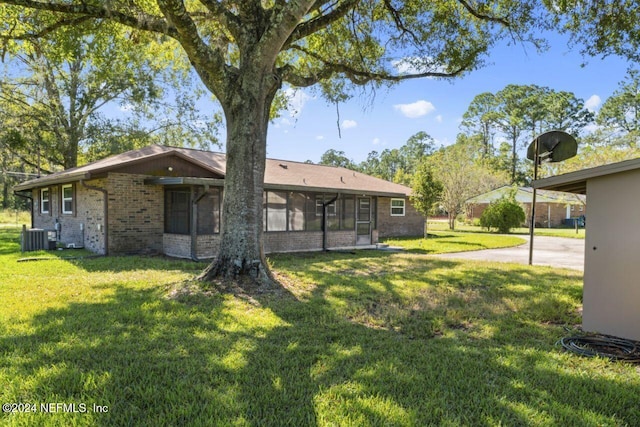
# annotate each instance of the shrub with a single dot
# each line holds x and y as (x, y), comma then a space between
(503, 214)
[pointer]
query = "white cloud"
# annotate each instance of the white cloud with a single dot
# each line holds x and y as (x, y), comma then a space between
(297, 100)
(416, 109)
(319, 137)
(417, 65)
(439, 118)
(376, 141)
(347, 124)
(593, 103)
(282, 122)
(591, 128)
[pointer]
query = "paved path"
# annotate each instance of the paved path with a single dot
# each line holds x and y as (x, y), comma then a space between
(553, 251)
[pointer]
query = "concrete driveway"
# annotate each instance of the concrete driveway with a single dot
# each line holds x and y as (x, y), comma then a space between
(552, 251)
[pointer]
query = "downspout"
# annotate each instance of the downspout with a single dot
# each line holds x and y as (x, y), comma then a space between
(324, 222)
(194, 223)
(30, 198)
(105, 204)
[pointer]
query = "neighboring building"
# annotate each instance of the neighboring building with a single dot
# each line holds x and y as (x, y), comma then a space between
(553, 208)
(167, 200)
(611, 294)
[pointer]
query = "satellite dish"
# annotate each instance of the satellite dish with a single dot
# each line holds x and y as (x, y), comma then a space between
(553, 146)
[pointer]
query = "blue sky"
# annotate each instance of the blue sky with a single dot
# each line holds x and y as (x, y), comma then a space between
(434, 106)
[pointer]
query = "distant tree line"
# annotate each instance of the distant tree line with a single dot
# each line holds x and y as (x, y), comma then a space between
(495, 130)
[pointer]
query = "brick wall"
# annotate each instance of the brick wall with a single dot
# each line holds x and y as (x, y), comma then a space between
(177, 245)
(300, 241)
(411, 224)
(341, 239)
(208, 246)
(46, 220)
(292, 241)
(88, 213)
(136, 214)
(545, 212)
(90, 206)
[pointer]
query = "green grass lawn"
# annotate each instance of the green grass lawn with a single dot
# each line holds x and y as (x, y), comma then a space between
(13, 218)
(440, 242)
(365, 338)
(439, 225)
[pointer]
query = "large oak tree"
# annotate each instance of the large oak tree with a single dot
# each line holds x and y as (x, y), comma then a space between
(246, 50)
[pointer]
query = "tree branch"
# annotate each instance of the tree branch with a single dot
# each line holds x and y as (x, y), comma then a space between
(357, 76)
(138, 19)
(322, 21)
(209, 63)
(483, 16)
(282, 21)
(397, 18)
(48, 30)
(224, 15)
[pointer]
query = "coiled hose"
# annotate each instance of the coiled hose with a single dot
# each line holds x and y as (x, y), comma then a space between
(603, 346)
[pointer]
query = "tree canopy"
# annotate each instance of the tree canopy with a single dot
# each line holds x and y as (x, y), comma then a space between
(462, 174)
(620, 113)
(55, 90)
(517, 113)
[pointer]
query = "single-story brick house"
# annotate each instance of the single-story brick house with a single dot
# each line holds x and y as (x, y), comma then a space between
(167, 200)
(553, 208)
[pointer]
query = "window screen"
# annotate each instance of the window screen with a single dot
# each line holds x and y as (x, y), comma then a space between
(177, 212)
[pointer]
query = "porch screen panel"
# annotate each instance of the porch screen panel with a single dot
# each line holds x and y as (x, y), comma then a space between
(348, 213)
(176, 213)
(374, 213)
(333, 212)
(297, 202)
(276, 211)
(209, 213)
(313, 214)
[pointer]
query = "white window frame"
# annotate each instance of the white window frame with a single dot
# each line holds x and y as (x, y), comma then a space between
(66, 199)
(331, 208)
(42, 199)
(403, 207)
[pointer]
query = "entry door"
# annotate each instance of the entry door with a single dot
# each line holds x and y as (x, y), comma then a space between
(363, 221)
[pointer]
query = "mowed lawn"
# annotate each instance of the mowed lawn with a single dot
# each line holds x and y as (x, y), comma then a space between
(351, 339)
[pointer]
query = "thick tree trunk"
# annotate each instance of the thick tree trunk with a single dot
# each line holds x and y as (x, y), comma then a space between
(247, 116)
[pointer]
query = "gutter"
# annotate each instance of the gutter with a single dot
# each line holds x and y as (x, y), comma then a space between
(45, 181)
(105, 204)
(30, 198)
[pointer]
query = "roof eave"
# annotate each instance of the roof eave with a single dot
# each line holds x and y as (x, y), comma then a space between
(576, 182)
(45, 181)
(167, 180)
(287, 187)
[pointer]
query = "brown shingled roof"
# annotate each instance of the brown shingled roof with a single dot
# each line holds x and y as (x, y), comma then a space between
(279, 174)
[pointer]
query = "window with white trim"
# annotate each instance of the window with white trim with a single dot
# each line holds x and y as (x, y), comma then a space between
(44, 200)
(397, 207)
(331, 208)
(67, 199)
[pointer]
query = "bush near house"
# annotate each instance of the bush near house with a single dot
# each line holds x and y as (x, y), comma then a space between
(503, 214)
